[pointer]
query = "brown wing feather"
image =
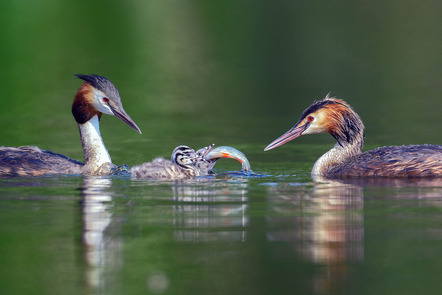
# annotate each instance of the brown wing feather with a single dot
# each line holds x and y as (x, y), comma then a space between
(30, 160)
(393, 161)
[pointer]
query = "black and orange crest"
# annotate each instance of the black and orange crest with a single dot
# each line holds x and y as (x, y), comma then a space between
(344, 125)
(347, 122)
(320, 104)
(82, 110)
(348, 125)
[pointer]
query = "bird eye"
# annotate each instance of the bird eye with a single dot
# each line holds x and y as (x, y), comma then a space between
(310, 118)
(105, 99)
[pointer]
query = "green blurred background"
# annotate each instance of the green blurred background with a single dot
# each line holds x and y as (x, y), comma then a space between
(234, 73)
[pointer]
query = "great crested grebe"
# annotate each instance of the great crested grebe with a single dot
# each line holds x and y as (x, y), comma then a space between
(97, 95)
(187, 163)
(345, 159)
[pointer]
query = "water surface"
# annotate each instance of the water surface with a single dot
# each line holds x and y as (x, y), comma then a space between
(277, 232)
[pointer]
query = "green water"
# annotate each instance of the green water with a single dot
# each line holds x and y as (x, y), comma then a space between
(236, 73)
(220, 235)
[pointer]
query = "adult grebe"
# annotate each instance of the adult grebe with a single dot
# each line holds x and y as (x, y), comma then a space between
(187, 163)
(345, 159)
(96, 96)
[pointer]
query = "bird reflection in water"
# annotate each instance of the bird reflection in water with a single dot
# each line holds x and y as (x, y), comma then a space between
(100, 250)
(208, 210)
(327, 230)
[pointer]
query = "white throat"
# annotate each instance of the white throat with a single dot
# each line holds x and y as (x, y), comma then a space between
(95, 153)
(334, 157)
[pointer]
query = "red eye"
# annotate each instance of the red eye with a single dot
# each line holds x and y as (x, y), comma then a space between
(310, 118)
(105, 99)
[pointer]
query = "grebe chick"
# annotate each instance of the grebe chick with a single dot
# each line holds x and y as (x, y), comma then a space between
(187, 163)
(345, 159)
(97, 95)
(180, 166)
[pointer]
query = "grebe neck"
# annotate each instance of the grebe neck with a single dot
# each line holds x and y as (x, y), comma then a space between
(340, 153)
(95, 153)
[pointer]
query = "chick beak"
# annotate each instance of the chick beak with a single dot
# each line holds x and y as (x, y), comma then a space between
(202, 153)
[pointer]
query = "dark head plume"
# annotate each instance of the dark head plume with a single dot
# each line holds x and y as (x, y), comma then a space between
(348, 125)
(316, 105)
(102, 84)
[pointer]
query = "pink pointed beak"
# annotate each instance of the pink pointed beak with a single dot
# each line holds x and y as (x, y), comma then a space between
(123, 116)
(293, 133)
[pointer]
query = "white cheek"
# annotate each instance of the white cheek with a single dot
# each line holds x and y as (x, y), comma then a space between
(314, 128)
(99, 104)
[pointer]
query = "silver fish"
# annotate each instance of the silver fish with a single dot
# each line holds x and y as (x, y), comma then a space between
(215, 154)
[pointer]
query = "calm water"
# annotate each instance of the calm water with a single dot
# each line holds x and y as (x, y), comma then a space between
(236, 73)
(277, 233)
